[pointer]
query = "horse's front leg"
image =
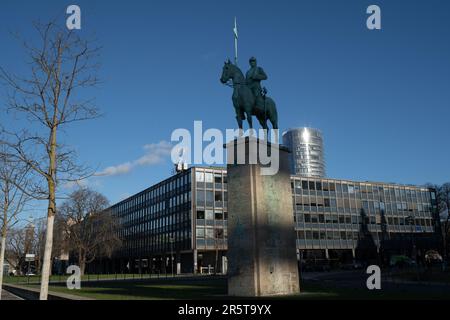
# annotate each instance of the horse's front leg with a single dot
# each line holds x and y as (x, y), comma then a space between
(249, 119)
(238, 112)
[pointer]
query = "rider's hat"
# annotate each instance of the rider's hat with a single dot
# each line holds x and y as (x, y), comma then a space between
(252, 59)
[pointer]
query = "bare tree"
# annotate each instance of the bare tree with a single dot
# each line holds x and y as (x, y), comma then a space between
(12, 201)
(443, 202)
(15, 248)
(91, 231)
(61, 65)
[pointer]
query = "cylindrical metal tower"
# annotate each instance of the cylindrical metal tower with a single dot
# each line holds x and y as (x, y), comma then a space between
(307, 153)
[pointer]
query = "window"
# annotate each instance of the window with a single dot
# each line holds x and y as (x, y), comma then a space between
(200, 198)
(218, 215)
(209, 233)
(365, 205)
(209, 198)
(346, 203)
(209, 214)
(304, 185)
(219, 233)
(200, 176)
(200, 214)
(311, 185)
(298, 187)
(200, 232)
(333, 203)
(209, 177)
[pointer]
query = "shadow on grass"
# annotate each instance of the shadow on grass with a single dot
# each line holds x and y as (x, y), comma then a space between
(207, 289)
(149, 289)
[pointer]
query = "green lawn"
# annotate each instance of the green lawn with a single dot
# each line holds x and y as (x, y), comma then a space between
(320, 291)
(427, 276)
(148, 289)
(63, 278)
(217, 289)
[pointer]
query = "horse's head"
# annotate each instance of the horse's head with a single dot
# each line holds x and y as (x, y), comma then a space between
(227, 71)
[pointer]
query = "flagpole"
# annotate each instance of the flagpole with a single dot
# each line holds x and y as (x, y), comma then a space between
(235, 31)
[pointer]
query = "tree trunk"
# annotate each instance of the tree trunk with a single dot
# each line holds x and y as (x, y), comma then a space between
(47, 263)
(51, 212)
(81, 261)
(2, 259)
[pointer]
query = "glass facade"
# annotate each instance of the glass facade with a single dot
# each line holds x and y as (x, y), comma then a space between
(307, 154)
(210, 209)
(329, 213)
(158, 219)
(187, 213)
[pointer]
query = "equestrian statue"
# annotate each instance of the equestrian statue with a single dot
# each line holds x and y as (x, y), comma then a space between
(249, 99)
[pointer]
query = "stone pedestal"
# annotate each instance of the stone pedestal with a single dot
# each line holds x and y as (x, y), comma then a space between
(262, 258)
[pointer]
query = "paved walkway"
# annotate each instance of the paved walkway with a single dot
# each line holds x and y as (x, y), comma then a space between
(9, 296)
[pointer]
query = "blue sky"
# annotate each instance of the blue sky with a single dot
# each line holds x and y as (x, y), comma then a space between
(381, 98)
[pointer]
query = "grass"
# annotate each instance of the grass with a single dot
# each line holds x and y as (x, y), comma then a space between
(63, 278)
(427, 276)
(152, 289)
(155, 289)
(319, 291)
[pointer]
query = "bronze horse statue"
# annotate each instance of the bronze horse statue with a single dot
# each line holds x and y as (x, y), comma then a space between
(244, 101)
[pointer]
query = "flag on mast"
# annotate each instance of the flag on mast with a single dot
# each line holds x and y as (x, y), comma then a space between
(235, 31)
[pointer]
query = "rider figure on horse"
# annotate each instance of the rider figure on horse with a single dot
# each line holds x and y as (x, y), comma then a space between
(253, 79)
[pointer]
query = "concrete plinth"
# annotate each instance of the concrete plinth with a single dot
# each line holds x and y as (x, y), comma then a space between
(262, 258)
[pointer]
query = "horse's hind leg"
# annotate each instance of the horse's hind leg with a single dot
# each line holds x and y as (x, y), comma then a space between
(239, 121)
(274, 123)
(275, 136)
(249, 119)
(263, 123)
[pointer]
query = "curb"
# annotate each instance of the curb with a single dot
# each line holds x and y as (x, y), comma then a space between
(33, 294)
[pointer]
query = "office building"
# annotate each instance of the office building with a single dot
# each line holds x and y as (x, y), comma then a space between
(180, 224)
(307, 153)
